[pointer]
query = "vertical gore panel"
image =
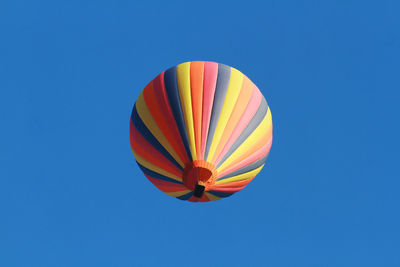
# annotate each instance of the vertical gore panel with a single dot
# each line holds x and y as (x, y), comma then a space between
(196, 86)
(171, 88)
(209, 84)
(260, 153)
(237, 112)
(186, 197)
(183, 78)
(162, 117)
(162, 101)
(144, 113)
(248, 168)
(235, 84)
(255, 121)
(145, 150)
(140, 126)
(245, 118)
(224, 73)
(257, 139)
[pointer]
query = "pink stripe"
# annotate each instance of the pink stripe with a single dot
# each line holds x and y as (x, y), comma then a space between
(253, 158)
(247, 115)
(210, 80)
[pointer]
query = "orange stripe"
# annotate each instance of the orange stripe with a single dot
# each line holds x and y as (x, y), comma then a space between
(240, 106)
(159, 117)
(196, 85)
(144, 149)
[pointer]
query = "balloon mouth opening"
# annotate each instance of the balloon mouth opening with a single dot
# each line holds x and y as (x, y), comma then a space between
(199, 176)
(199, 190)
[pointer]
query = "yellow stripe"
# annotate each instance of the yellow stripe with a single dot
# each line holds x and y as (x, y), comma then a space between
(235, 84)
(258, 133)
(240, 177)
(155, 168)
(151, 124)
(183, 78)
(212, 197)
(177, 194)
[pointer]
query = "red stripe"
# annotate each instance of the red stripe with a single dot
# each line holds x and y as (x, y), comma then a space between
(227, 189)
(144, 149)
(167, 117)
(166, 187)
(204, 198)
(157, 113)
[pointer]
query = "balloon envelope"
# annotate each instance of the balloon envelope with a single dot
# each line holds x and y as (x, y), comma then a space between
(201, 131)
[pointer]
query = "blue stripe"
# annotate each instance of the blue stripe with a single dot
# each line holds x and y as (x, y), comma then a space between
(186, 197)
(220, 194)
(171, 88)
(141, 127)
(250, 128)
(223, 78)
(157, 175)
(248, 168)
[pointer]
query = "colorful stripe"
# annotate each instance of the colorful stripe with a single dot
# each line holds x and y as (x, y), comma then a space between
(204, 112)
(210, 82)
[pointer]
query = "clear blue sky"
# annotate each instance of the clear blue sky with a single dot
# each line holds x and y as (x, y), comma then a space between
(71, 193)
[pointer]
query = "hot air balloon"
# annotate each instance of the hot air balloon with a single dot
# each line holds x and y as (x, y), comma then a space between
(201, 131)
